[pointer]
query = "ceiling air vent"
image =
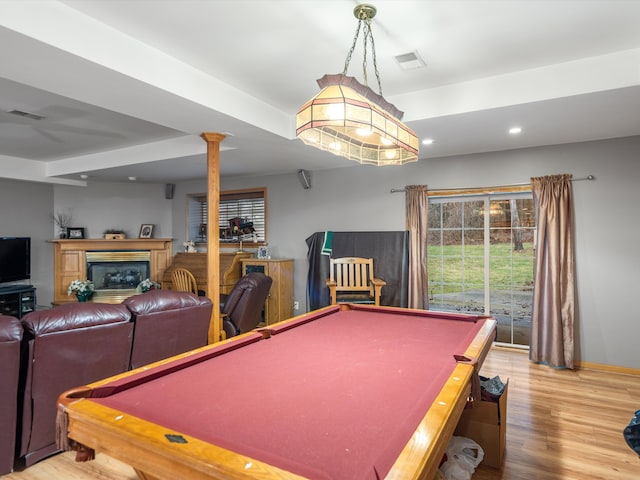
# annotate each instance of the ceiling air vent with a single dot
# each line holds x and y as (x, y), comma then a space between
(410, 61)
(20, 113)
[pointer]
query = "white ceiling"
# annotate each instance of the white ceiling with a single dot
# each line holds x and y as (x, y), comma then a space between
(126, 87)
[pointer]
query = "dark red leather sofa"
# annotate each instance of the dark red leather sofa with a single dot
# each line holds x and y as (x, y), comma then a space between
(10, 339)
(51, 351)
(167, 323)
(65, 347)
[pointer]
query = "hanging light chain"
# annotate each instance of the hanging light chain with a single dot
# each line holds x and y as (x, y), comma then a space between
(364, 15)
(353, 47)
(368, 33)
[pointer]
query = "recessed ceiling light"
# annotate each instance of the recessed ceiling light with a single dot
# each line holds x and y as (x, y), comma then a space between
(515, 130)
(133, 179)
(84, 176)
(428, 141)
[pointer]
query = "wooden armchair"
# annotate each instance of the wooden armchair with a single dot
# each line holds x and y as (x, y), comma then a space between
(351, 280)
(182, 280)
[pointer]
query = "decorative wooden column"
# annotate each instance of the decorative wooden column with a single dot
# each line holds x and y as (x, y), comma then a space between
(213, 233)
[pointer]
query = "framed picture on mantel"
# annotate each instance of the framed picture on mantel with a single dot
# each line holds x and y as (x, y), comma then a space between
(146, 229)
(75, 233)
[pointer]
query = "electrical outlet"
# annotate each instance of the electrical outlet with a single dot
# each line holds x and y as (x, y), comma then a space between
(296, 305)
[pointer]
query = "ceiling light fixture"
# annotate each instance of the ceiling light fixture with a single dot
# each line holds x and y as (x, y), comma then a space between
(349, 119)
(428, 141)
(515, 130)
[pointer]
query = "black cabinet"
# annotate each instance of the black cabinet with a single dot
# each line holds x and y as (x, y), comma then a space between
(17, 300)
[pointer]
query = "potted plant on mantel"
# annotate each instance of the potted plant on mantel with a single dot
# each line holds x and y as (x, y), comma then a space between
(114, 234)
(62, 221)
(83, 289)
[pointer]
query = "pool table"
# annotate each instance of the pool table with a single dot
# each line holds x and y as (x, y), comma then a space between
(343, 392)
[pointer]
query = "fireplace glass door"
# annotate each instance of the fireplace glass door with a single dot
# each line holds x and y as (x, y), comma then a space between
(117, 275)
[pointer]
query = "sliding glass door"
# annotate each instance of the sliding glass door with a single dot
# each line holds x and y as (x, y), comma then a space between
(480, 259)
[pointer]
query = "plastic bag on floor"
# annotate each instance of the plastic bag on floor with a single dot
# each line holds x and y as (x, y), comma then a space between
(463, 456)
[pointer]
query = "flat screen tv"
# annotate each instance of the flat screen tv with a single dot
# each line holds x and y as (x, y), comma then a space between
(15, 259)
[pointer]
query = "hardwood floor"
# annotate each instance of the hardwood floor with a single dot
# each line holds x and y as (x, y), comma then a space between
(561, 425)
(64, 467)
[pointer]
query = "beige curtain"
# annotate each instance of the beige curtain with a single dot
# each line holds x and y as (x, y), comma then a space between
(417, 205)
(554, 289)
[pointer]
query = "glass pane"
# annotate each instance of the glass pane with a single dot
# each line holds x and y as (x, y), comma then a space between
(511, 268)
(500, 272)
(435, 240)
(434, 268)
(434, 215)
(501, 310)
(525, 212)
(474, 298)
(452, 237)
(512, 309)
(452, 215)
(522, 317)
(452, 271)
(474, 214)
(474, 242)
(473, 271)
(499, 213)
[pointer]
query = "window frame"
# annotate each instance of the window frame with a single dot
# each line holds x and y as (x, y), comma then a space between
(487, 195)
(227, 195)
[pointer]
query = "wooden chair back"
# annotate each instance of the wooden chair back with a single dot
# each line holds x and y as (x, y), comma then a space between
(353, 277)
(182, 280)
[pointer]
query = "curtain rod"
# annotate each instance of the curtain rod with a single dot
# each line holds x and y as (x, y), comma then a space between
(588, 177)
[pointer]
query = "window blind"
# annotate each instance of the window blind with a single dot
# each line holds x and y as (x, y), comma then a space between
(245, 210)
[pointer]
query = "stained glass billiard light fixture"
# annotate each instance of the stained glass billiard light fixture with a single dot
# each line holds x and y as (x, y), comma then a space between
(349, 119)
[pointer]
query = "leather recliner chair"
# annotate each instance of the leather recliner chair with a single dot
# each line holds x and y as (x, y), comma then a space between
(10, 339)
(243, 307)
(66, 347)
(167, 323)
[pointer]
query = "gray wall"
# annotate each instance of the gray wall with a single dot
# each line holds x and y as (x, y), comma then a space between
(25, 212)
(101, 206)
(27, 208)
(357, 198)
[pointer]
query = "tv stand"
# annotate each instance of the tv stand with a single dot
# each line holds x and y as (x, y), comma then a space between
(17, 300)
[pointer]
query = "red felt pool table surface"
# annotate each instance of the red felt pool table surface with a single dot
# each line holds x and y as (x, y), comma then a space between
(346, 392)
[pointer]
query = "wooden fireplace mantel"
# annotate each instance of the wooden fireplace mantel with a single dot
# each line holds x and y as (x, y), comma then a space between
(70, 259)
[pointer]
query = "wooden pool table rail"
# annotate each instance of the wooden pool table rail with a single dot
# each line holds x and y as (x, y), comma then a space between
(143, 445)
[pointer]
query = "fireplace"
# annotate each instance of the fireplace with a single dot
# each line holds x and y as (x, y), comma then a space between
(116, 274)
(70, 262)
